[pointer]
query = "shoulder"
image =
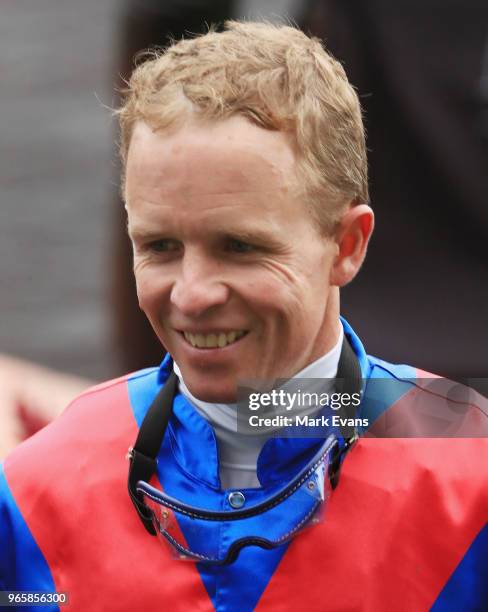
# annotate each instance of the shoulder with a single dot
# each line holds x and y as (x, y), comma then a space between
(115, 387)
(109, 403)
(405, 402)
(70, 464)
(379, 368)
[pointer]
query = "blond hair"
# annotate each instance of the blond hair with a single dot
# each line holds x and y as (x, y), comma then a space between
(277, 77)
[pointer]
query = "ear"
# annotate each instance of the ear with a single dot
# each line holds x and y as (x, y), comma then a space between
(351, 237)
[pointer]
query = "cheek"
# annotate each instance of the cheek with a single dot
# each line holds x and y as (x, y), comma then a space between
(278, 296)
(299, 308)
(152, 290)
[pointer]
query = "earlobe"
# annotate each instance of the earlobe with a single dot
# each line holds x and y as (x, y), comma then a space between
(352, 238)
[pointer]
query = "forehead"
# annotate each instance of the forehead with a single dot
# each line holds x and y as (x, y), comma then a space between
(231, 156)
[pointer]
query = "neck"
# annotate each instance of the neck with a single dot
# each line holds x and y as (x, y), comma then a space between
(330, 330)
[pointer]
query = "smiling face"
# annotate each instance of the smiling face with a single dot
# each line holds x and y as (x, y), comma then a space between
(231, 269)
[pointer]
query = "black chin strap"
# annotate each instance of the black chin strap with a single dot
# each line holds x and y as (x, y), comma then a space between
(348, 381)
(142, 456)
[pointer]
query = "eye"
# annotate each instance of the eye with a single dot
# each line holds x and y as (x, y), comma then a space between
(163, 246)
(239, 246)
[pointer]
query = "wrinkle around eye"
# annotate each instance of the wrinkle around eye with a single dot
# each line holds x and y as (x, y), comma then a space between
(281, 270)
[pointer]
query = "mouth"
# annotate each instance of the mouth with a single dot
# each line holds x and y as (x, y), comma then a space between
(213, 340)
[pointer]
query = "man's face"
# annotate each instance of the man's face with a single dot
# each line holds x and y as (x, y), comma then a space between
(230, 267)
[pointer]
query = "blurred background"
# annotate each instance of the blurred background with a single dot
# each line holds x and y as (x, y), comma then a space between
(421, 69)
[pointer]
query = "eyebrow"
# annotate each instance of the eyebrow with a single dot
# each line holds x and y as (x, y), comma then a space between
(244, 234)
(142, 234)
(247, 234)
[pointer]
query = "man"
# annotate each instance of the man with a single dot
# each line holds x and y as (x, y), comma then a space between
(246, 193)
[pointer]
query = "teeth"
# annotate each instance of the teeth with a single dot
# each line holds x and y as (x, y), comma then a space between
(213, 340)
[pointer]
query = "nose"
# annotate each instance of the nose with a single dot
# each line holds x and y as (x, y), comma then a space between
(199, 286)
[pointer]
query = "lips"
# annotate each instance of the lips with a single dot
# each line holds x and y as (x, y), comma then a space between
(214, 339)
